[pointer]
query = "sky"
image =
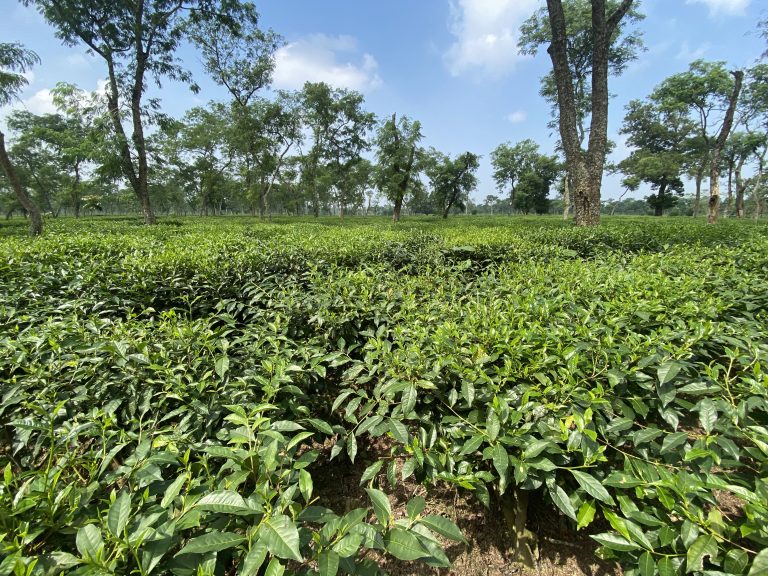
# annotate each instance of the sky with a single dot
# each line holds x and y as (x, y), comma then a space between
(451, 64)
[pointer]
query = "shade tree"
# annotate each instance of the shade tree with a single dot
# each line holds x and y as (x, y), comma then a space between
(137, 42)
(399, 160)
(451, 179)
(578, 53)
(15, 60)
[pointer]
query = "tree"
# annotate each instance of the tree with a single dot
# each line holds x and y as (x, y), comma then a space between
(398, 156)
(659, 132)
(15, 60)
(623, 49)
(198, 148)
(706, 89)
(577, 54)
(136, 39)
(338, 126)
(451, 179)
(527, 173)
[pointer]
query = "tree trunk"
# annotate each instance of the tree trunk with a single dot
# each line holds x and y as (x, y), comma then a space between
(659, 208)
(35, 218)
(76, 191)
(729, 198)
(714, 167)
(697, 201)
(585, 170)
(740, 186)
(398, 209)
(566, 198)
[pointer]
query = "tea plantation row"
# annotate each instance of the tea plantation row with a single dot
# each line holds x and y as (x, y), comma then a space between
(167, 393)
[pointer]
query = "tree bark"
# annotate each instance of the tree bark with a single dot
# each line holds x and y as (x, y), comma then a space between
(740, 186)
(566, 198)
(584, 168)
(714, 167)
(659, 208)
(697, 201)
(35, 218)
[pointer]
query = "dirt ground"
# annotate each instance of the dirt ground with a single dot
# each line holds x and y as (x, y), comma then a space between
(562, 551)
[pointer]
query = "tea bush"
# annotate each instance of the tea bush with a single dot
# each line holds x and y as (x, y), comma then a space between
(166, 391)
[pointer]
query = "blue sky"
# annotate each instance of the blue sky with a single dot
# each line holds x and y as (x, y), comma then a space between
(452, 64)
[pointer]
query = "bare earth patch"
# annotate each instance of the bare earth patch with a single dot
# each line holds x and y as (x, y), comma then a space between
(562, 551)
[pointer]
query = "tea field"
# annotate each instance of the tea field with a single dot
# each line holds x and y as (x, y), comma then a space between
(176, 399)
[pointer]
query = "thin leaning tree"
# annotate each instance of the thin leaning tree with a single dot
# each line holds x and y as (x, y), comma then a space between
(137, 41)
(15, 60)
(585, 167)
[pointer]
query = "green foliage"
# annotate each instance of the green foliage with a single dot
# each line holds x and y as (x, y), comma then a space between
(164, 390)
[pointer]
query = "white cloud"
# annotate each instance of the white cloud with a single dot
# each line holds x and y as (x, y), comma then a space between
(687, 54)
(77, 60)
(41, 102)
(486, 34)
(726, 7)
(517, 116)
(322, 58)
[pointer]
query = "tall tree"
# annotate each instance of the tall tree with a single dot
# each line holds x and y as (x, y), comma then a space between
(135, 39)
(587, 51)
(527, 173)
(451, 179)
(659, 134)
(338, 125)
(15, 60)
(398, 157)
(710, 93)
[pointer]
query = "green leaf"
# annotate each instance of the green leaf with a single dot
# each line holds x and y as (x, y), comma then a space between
(666, 567)
(320, 426)
(253, 560)
(274, 568)
(592, 487)
(381, 506)
(226, 502)
(707, 415)
(328, 563)
(667, 372)
(561, 500)
(500, 460)
(351, 447)
(213, 541)
(119, 513)
(221, 366)
(672, 441)
(736, 561)
(403, 545)
(371, 472)
(408, 399)
(415, 506)
(586, 514)
(614, 542)
(281, 537)
(89, 542)
(173, 490)
(492, 425)
(305, 485)
(760, 564)
(443, 526)
(399, 431)
(349, 545)
(705, 545)
(646, 565)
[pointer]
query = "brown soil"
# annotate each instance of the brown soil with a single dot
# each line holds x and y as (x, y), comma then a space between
(562, 551)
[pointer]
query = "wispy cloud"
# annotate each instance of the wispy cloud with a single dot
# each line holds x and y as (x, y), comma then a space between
(688, 54)
(723, 7)
(486, 34)
(517, 116)
(321, 58)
